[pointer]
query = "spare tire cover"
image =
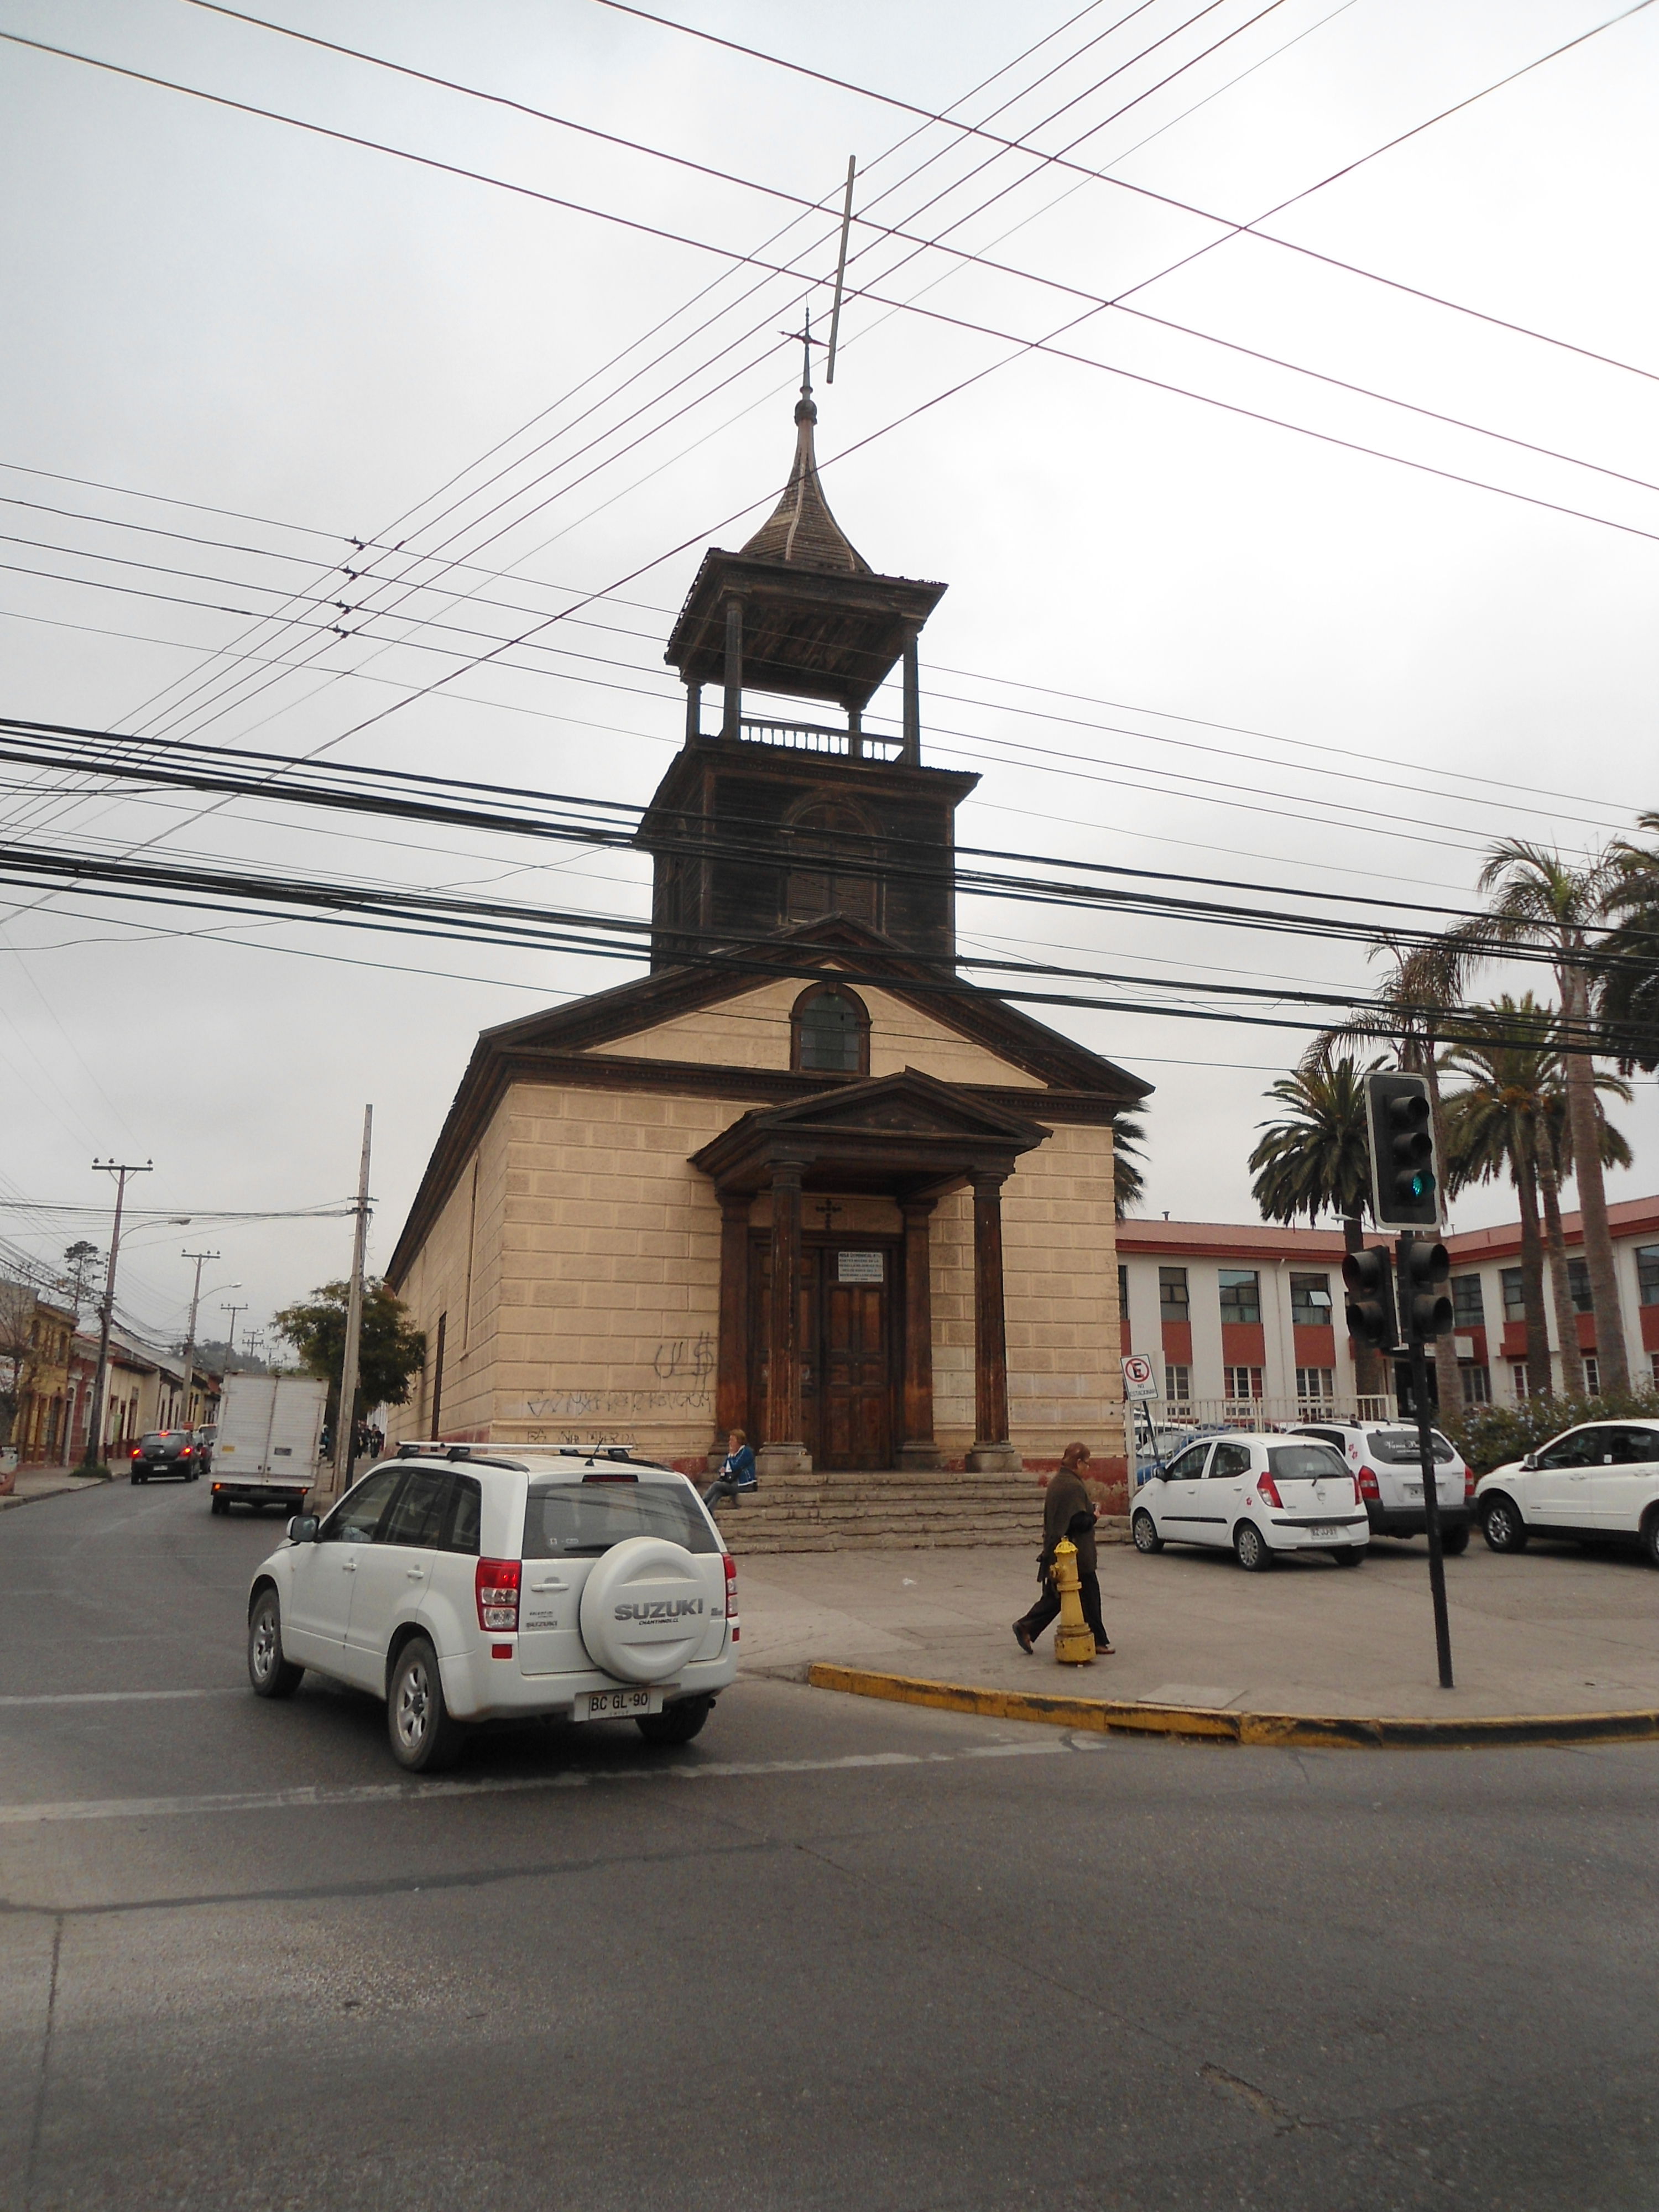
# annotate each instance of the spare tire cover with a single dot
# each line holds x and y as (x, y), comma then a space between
(645, 1609)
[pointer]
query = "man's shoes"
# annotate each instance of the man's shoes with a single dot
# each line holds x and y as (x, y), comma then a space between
(1023, 1638)
(1105, 1648)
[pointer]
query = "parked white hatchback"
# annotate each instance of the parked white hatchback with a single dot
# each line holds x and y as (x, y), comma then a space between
(466, 1583)
(1258, 1495)
(1598, 1484)
(1386, 1459)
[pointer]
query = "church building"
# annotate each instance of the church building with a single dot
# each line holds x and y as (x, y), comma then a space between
(799, 1179)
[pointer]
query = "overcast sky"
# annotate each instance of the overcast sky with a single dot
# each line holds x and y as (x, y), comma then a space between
(205, 306)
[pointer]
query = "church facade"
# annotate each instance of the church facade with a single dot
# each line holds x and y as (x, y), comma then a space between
(800, 1179)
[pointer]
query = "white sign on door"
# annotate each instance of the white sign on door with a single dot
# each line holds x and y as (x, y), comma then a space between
(860, 1267)
(1137, 1379)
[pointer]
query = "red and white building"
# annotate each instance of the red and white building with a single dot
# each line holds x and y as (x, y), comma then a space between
(1246, 1321)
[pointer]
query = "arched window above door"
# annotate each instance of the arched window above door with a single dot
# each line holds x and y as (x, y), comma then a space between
(829, 1031)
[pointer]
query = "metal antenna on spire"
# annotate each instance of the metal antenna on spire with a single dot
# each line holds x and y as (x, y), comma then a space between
(841, 269)
(805, 340)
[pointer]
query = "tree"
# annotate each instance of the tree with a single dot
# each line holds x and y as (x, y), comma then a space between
(17, 1352)
(390, 1355)
(1629, 998)
(1128, 1182)
(1554, 1166)
(1538, 899)
(1494, 1128)
(1317, 1159)
(79, 1262)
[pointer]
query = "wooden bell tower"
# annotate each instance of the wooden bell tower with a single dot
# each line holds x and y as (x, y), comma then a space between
(766, 821)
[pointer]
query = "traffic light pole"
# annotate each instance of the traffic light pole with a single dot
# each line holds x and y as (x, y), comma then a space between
(1431, 1481)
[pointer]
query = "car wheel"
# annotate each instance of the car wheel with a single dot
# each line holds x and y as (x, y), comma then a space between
(674, 1724)
(423, 1736)
(1650, 1539)
(1350, 1557)
(1502, 1525)
(1144, 1529)
(221, 1505)
(1453, 1542)
(1251, 1548)
(271, 1675)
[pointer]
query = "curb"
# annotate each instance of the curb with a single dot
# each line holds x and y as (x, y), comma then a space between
(39, 1496)
(1212, 1724)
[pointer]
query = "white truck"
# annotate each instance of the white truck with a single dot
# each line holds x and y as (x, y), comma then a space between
(269, 1431)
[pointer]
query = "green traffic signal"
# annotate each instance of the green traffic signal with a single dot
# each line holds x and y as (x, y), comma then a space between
(1404, 1186)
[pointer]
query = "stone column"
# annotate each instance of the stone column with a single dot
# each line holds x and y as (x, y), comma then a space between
(917, 1448)
(992, 1452)
(784, 1451)
(732, 720)
(732, 1367)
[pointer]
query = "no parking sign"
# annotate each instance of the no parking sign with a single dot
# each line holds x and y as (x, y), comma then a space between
(1138, 1381)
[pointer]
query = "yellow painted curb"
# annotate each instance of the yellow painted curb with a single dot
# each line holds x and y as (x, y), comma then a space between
(1214, 1724)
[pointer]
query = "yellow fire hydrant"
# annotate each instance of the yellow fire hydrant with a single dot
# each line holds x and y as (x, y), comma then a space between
(1074, 1640)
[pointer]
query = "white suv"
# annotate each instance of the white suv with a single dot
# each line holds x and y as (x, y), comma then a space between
(1260, 1495)
(1599, 1484)
(1386, 1461)
(478, 1582)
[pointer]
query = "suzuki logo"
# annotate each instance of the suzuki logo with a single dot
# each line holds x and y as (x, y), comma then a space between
(660, 1608)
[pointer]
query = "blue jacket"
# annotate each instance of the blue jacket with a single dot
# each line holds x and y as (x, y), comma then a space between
(739, 1468)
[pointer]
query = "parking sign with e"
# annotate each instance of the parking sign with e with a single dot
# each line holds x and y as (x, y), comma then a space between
(1138, 1376)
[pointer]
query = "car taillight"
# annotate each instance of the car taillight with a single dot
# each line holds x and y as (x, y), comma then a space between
(731, 1586)
(185, 1453)
(136, 1453)
(1366, 1484)
(1469, 1480)
(497, 1586)
(1269, 1490)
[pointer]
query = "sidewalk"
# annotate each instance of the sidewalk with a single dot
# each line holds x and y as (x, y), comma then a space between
(33, 1482)
(1554, 1630)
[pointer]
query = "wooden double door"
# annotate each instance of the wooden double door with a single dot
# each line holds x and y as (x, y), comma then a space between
(850, 1307)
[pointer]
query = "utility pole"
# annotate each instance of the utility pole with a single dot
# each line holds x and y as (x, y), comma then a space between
(230, 1342)
(345, 1421)
(200, 1259)
(120, 1170)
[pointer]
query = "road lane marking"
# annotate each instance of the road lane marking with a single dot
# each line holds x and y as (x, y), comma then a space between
(315, 1796)
(116, 1697)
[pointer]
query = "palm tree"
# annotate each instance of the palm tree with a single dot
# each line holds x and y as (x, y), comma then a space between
(1316, 1159)
(1538, 899)
(1630, 987)
(1492, 1129)
(1128, 1179)
(1554, 1166)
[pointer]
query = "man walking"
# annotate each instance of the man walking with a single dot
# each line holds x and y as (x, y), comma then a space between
(1068, 1513)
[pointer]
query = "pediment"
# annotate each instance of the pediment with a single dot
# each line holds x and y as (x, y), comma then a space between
(910, 1103)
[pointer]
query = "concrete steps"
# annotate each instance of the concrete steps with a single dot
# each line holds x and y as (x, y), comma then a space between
(899, 1509)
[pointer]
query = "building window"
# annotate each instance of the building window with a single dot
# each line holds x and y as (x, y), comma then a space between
(1515, 1297)
(1519, 1381)
(1477, 1382)
(1647, 1273)
(1316, 1386)
(1241, 1294)
(1468, 1310)
(1653, 1362)
(1172, 1293)
(1592, 1374)
(1578, 1287)
(831, 1032)
(835, 863)
(1310, 1300)
(1178, 1383)
(1122, 1291)
(1243, 1384)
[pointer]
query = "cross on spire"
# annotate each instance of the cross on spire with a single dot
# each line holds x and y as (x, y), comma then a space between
(805, 340)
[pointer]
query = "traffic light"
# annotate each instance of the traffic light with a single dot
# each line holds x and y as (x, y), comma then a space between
(1423, 1268)
(1369, 1279)
(1405, 1180)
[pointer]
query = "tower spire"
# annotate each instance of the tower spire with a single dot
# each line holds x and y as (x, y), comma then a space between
(800, 528)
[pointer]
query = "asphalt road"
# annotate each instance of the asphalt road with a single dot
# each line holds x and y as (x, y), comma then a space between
(832, 1954)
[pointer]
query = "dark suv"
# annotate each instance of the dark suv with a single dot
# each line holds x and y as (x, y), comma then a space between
(167, 1451)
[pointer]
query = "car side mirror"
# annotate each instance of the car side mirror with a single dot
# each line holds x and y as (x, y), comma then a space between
(302, 1529)
(1530, 1465)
